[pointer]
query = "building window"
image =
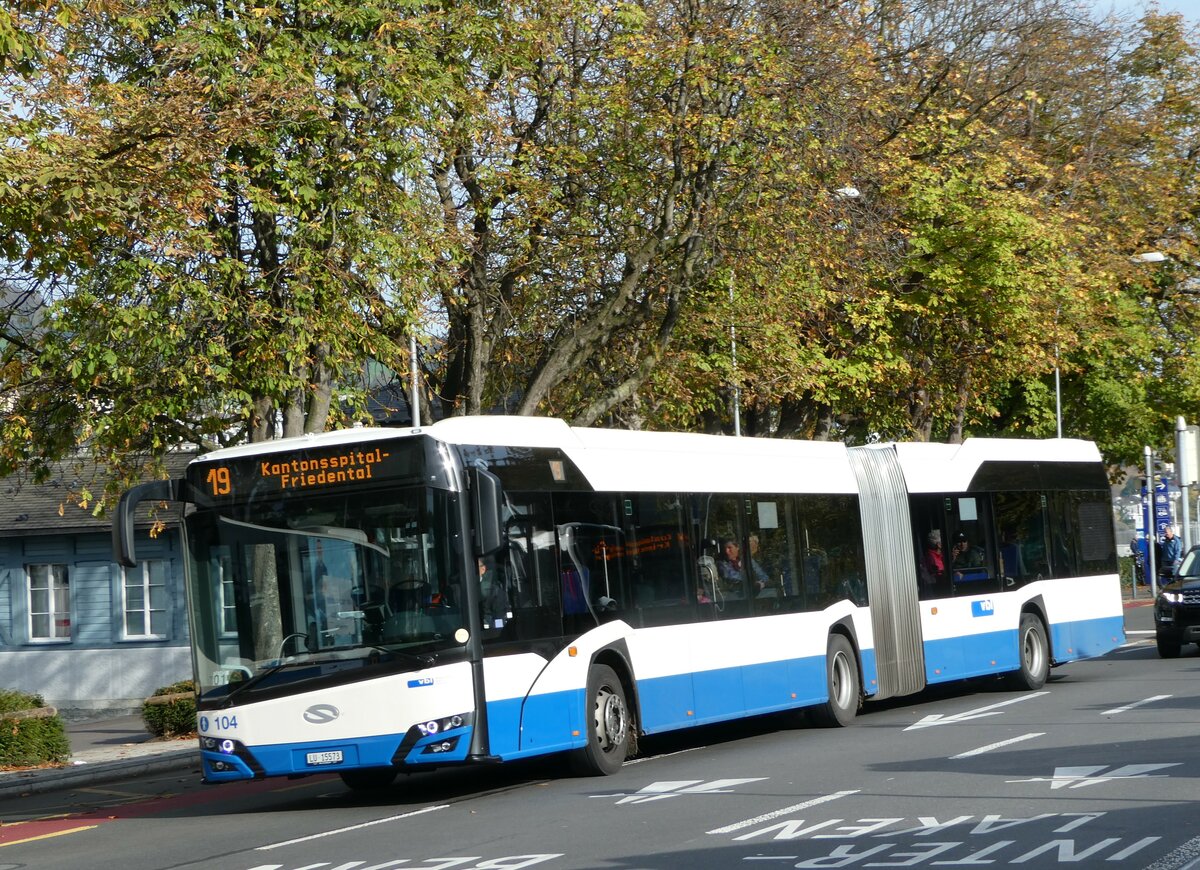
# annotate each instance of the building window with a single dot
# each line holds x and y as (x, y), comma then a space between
(49, 603)
(145, 600)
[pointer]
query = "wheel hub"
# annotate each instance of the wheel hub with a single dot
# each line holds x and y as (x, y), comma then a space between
(611, 720)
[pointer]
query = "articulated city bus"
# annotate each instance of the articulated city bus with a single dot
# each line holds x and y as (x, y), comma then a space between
(494, 588)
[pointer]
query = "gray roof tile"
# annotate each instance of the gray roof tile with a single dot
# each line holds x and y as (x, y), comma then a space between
(50, 508)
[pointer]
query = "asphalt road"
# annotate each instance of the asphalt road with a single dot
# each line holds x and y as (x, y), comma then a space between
(1099, 769)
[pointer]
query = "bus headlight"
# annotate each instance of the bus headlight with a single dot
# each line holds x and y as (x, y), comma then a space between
(219, 744)
(437, 726)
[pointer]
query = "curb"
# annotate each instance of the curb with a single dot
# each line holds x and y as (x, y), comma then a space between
(22, 783)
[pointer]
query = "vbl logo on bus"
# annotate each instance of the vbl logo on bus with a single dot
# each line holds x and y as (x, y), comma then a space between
(982, 608)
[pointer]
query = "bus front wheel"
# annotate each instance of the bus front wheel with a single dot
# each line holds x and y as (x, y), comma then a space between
(841, 676)
(1034, 653)
(608, 725)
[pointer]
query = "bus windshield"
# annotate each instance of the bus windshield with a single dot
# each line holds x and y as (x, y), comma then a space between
(302, 588)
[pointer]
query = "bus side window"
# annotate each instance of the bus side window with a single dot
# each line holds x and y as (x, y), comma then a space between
(592, 559)
(1021, 524)
(658, 550)
(930, 544)
(527, 572)
(770, 551)
(723, 520)
(830, 540)
(969, 557)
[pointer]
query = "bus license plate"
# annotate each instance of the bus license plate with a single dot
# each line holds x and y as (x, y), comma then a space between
(318, 758)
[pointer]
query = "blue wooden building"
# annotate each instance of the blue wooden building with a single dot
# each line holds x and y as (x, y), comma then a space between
(76, 627)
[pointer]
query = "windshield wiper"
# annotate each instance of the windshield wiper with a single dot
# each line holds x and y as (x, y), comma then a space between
(254, 681)
(420, 659)
(423, 659)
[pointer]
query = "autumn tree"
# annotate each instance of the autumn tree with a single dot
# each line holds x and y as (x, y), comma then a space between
(206, 193)
(910, 214)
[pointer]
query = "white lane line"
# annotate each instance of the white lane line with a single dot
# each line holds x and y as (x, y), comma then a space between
(419, 812)
(1001, 744)
(795, 808)
(1115, 710)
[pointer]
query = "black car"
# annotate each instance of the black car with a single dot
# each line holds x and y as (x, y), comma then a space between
(1177, 608)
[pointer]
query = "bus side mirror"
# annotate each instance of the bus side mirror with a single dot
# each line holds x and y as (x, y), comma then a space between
(122, 527)
(487, 503)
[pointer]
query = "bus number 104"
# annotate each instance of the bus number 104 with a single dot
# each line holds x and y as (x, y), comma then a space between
(219, 723)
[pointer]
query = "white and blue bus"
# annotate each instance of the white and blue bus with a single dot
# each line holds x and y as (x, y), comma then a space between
(494, 588)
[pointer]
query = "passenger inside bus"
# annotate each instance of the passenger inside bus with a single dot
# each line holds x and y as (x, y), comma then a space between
(735, 572)
(1012, 563)
(967, 561)
(775, 583)
(933, 562)
(493, 600)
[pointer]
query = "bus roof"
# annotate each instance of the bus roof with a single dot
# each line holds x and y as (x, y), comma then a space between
(619, 459)
(932, 467)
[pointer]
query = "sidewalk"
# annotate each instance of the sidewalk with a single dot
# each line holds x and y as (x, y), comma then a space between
(1144, 598)
(103, 750)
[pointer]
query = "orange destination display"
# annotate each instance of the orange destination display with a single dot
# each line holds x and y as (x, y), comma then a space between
(305, 471)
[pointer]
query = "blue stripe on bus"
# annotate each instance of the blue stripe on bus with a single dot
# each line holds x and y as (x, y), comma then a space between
(665, 702)
(552, 723)
(1086, 638)
(995, 652)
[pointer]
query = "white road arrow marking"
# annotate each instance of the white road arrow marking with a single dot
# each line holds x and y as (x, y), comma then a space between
(662, 790)
(1079, 777)
(979, 713)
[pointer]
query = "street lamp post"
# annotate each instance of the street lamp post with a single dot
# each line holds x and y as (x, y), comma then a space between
(1151, 524)
(414, 381)
(1187, 457)
(1057, 395)
(737, 389)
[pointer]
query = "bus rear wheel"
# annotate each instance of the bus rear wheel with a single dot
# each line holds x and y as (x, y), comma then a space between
(1034, 653)
(608, 726)
(368, 778)
(841, 677)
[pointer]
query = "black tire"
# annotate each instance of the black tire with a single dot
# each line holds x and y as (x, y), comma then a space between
(368, 778)
(1033, 652)
(609, 725)
(841, 679)
(1167, 649)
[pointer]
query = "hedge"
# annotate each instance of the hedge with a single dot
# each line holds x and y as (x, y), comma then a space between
(31, 734)
(171, 711)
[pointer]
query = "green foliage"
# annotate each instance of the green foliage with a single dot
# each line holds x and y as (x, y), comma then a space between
(173, 718)
(33, 740)
(231, 210)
